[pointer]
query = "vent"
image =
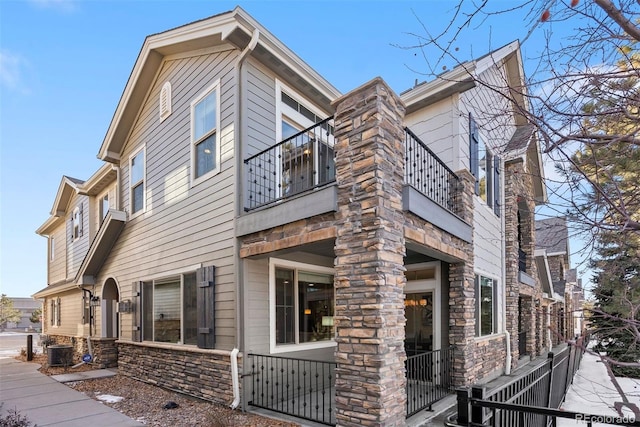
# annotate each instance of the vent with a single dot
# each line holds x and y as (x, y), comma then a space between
(165, 101)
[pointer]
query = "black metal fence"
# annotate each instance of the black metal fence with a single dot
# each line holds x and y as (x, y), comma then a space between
(522, 401)
(298, 387)
(425, 172)
(429, 379)
(299, 163)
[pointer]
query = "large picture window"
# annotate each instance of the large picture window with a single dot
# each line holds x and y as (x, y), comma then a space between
(485, 298)
(204, 133)
(136, 181)
(170, 309)
(303, 304)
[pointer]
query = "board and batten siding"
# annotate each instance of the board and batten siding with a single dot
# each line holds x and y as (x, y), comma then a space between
(77, 248)
(183, 224)
(58, 267)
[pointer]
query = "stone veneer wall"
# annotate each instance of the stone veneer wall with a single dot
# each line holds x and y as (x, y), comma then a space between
(489, 357)
(105, 351)
(369, 267)
(205, 374)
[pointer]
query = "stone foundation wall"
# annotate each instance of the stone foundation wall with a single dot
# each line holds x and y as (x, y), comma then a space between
(205, 374)
(105, 351)
(490, 357)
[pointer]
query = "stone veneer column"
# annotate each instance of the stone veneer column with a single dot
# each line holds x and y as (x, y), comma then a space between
(370, 246)
(462, 307)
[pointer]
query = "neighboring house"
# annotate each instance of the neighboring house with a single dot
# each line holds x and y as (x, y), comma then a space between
(565, 296)
(248, 212)
(26, 307)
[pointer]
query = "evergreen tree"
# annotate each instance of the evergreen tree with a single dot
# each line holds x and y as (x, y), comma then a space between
(615, 317)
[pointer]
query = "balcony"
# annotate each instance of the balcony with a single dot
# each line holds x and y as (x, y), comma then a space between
(304, 164)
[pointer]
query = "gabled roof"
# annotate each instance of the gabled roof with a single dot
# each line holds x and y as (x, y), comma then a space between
(66, 190)
(462, 77)
(552, 235)
(523, 146)
(236, 29)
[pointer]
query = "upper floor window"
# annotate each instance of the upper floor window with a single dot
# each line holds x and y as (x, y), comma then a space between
(137, 181)
(205, 122)
(165, 101)
(52, 248)
(76, 223)
(486, 305)
(104, 206)
(485, 167)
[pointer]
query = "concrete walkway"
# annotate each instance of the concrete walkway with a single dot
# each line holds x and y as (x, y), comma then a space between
(46, 401)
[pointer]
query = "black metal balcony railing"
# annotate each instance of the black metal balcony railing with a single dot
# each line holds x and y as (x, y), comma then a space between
(429, 379)
(298, 387)
(522, 260)
(297, 164)
(428, 174)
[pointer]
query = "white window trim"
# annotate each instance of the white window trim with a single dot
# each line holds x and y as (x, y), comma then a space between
(75, 223)
(195, 181)
(497, 299)
(283, 111)
(180, 273)
(285, 348)
(132, 214)
(52, 248)
(433, 285)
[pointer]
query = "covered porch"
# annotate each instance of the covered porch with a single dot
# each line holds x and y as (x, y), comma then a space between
(356, 289)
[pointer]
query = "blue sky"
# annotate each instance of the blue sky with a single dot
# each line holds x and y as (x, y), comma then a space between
(64, 64)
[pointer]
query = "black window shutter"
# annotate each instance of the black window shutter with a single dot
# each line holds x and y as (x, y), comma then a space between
(71, 227)
(136, 312)
(206, 279)
(473, 151)
(496, 185)
(84, 308)
(52, 315)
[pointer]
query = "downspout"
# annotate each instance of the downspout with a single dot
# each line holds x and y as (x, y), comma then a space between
(234, 378)
(238, 210)
(549, 342)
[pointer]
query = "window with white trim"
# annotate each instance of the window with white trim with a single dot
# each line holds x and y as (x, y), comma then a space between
(308, 159)
(137, 181)
(485, 167)
(302, 304)
(52, 248)
(104, 206)
(205, 138)
(486, 319)
(76, 223)
(54, 315)
(169, 309)
(165, 101)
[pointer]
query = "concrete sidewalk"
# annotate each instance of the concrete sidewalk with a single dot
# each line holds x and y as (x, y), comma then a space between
(46, 401)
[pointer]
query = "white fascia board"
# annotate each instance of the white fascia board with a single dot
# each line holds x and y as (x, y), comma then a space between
(496, 57)
(285, 55)
(443, 81)
(65, 185)
(99, 176)
(44, 229)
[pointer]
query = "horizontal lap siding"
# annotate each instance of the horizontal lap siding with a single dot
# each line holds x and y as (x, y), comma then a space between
(183, 225)
(58, 267)
(77, 248)
(257, 305)
(489, 109)
(261, 98)
(70, 315)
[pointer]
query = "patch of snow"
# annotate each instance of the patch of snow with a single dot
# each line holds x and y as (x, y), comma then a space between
(593, 393)
(107, 398)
